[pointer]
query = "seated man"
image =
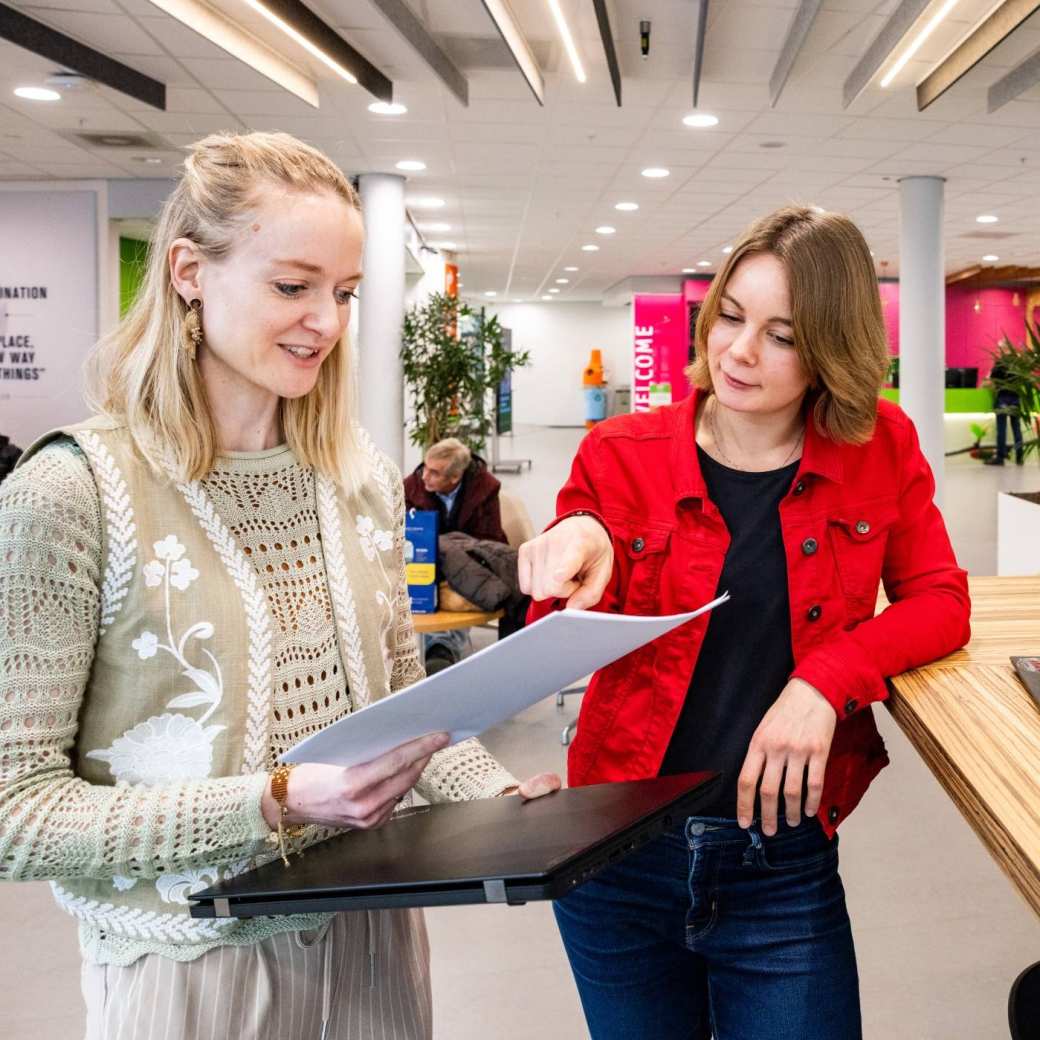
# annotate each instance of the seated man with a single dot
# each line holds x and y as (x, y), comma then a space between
(458, 486)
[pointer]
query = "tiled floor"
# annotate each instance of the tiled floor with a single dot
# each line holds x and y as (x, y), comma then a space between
(941, 934)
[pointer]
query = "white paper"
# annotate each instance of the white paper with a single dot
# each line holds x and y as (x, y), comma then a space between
(490, 686)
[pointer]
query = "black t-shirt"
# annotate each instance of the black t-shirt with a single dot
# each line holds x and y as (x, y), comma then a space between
(746, 657)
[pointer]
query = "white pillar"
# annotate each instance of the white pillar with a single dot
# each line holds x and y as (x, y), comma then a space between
(381, 312)
(922, 315)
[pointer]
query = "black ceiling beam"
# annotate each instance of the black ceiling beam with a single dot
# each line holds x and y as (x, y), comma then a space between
(322, 35)
(68, 53)
(609, 48)
(701, 8)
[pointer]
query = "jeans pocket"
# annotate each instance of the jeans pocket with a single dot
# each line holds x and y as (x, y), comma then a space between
(800, 848)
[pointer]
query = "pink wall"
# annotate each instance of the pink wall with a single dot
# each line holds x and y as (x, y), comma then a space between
(970, 334)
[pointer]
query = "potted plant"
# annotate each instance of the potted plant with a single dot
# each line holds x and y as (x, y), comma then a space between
(448, 375)
(1016, 370)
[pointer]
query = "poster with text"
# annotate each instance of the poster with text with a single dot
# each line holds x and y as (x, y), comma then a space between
(660, 350)
(48, 308)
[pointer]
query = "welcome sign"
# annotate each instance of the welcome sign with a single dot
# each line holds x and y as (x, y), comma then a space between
(48, 308)
(660, 347)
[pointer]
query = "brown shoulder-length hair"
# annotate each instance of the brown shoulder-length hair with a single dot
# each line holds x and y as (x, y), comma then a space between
(839, 331)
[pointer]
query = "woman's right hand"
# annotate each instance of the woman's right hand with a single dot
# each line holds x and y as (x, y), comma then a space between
(360, 797)
(572, 561)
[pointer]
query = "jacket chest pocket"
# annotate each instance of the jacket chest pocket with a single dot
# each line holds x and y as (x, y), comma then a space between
(859, 540)
(644, 552)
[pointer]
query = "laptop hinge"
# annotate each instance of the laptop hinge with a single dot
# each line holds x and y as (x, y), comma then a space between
(495, 891)
(221, 908)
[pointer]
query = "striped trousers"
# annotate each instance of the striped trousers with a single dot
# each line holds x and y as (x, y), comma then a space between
(363, 976)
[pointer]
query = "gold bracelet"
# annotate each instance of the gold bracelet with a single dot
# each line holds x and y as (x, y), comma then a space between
(280, 793)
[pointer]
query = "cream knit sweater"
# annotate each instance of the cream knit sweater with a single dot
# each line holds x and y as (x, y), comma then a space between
(50, 604)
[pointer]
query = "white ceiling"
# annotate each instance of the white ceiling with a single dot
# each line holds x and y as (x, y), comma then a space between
(526, 186)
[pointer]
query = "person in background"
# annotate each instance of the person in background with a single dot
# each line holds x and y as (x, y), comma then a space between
(458, 486)
(785, 481)
(8, 456)
(1005, 405)
(206, 572)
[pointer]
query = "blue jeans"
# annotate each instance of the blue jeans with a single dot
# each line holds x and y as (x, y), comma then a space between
(714, 931)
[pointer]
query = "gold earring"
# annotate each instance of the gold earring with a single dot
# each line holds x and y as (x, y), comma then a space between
(191, 332)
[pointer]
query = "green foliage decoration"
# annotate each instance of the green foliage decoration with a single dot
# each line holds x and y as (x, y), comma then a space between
(1020, 374)
(449, 376)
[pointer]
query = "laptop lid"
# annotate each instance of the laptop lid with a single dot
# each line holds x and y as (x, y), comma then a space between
(500, 850)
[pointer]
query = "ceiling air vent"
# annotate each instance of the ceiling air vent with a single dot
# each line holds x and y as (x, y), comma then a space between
(120, 140)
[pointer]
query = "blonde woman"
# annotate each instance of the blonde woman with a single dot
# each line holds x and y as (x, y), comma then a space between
(785, 481)
(205, 572)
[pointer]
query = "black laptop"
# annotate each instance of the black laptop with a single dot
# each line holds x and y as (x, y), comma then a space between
(497, 850)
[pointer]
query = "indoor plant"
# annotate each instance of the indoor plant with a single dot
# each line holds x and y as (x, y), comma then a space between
(449, 375)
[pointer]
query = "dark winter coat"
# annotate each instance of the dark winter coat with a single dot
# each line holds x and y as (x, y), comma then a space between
(483, 571)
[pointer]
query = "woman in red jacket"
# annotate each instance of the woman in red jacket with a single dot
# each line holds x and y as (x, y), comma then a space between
(785, 481)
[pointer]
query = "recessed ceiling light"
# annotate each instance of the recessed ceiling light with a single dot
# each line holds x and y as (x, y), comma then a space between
(990, 258)
(554, 290)
(773, 144)
(727, 250)
(546, 297)
(434, 227)
(605, 229)
(700, 120)
(689, 270)
(570, 269)
(37, 94)
(563, 281)
(627, 207)
(414, 165)
(150, 160)
(491, 292)
(387, 108)
(655, 172)
(427, 202)
(590, 249)
(986, 218)
(704, 263)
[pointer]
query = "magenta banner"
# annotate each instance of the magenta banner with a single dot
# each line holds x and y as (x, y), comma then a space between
(660, 350)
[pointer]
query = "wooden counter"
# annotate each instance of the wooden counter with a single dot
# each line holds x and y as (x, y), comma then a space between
(979, 730)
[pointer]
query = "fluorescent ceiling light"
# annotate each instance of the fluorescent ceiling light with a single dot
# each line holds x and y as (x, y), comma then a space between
(297, 37)
(427, 202)
(514, 39)
(590, 249)
(605, 229)
(414, 165)
(727, 250)
(239, 44)
(986, 218)
(700, 120)
(990, 258)
(918, 41)
(387, 108)
(627, 207)
(655, 172)
(570, 268)
(568, 40)
(37, 94)
(563, 281)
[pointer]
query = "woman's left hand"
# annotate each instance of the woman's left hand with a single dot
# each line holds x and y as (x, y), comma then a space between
(795, 735)
(536, 786)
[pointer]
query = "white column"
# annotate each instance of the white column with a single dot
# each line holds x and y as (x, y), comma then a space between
(922, 315)
(381, 312)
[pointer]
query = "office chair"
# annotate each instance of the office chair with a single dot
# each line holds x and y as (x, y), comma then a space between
(1024, 1005)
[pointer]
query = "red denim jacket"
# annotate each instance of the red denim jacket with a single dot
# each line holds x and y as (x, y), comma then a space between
(854, 516)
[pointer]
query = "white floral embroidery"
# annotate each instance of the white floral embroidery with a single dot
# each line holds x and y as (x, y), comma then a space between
(182, 574)
(178, 888)
(162, 749)
(169, 548)
(384, 541)
(146, 645)
(123, 884)
(154, 573)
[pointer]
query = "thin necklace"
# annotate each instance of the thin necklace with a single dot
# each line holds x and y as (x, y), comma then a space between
(729, 462)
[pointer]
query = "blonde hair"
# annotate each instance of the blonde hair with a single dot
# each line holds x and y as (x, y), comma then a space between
(141, 374)
(839, 331)
(452, 451)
